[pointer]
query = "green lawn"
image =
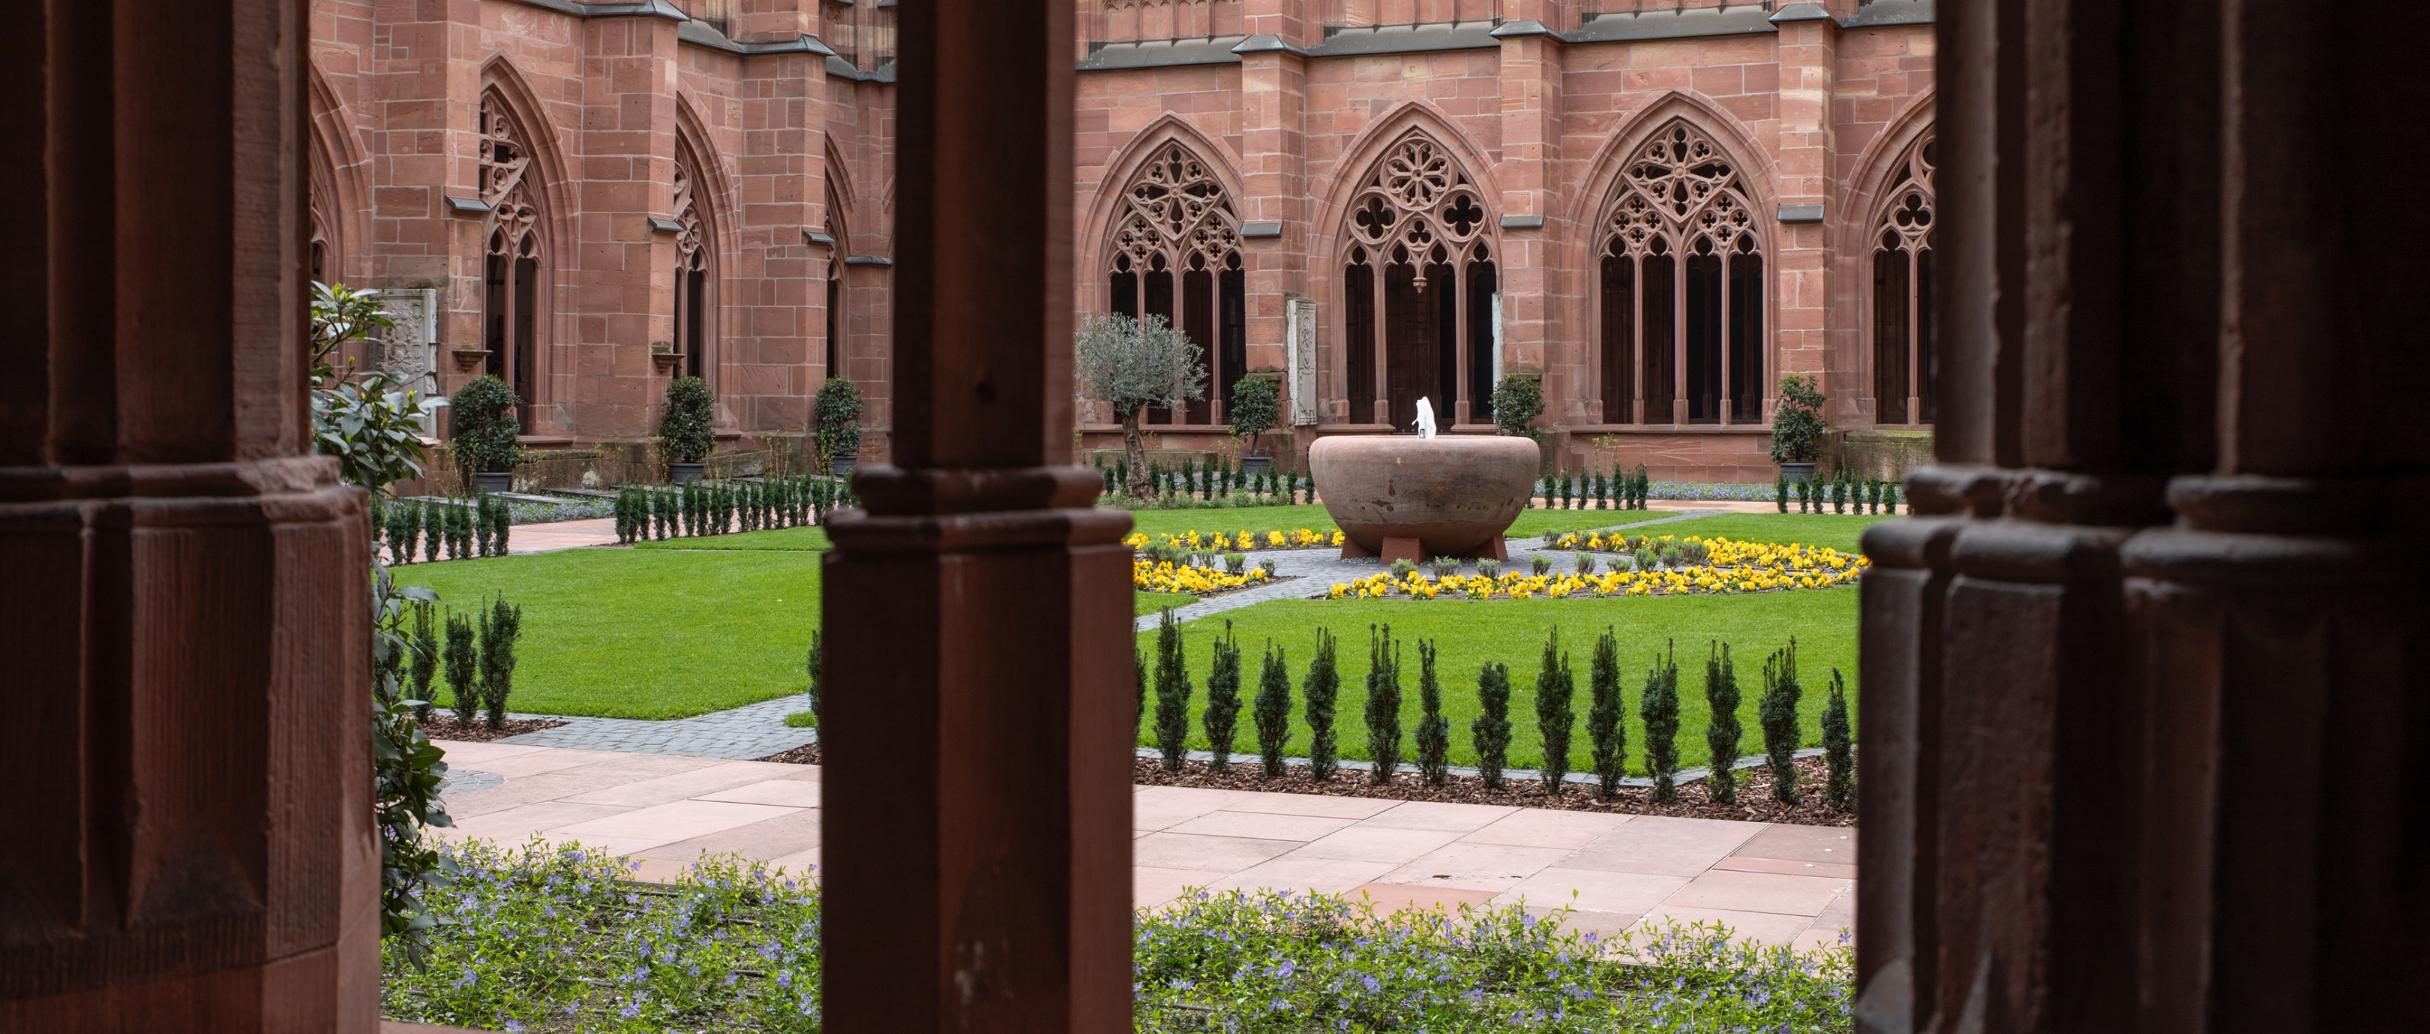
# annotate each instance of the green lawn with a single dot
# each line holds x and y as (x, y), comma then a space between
(659, 632)
(645, 633)
(1468, 634)
(1837, 531)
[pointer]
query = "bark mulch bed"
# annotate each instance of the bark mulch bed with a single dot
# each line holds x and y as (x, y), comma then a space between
(1524, 790)
(806, 754)
(442, 726)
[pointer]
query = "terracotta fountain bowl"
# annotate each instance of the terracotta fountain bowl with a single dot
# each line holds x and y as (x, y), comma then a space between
(1405, 497)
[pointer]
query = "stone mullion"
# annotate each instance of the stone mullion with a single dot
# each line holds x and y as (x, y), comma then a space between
(186, 605)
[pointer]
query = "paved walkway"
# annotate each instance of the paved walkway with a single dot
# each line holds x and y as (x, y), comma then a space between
(1771, 883)
(551, 537)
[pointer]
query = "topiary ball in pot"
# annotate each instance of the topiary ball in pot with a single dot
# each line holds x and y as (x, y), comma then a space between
(484, 433)
(683, 428)
(1797, 426)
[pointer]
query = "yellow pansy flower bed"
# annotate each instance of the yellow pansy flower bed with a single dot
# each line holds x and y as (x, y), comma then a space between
(1164, 576)
(1731, 567)
(1239, 541)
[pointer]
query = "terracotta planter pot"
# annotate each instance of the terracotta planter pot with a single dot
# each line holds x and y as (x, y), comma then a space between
(1403, 497)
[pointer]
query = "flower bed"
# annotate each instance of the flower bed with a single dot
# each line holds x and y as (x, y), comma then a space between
(1166, 576)
(1242, 540)
(551, 939)
(1659, 566)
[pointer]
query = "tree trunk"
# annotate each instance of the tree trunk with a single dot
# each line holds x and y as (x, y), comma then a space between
(1133, 447)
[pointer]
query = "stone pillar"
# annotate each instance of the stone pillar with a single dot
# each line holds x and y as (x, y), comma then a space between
(1274, 157)
(1536, 288)
(621, 293)
(2141, 687)
(185, 625)
(979, 609)
(1801, 285)
(777, 329)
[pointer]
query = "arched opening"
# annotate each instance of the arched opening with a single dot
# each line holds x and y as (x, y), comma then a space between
(836, 251)
(515, 260)
(1418, 286)
(695, 265)
(1903, 329)
(1175, 253)
(1680, 288)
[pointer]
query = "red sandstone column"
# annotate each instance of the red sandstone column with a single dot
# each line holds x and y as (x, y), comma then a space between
(1535, 284)
(1800, 274)
(1274, 87)
(2141, 691)
(979, 610)
(621, 293)
(185, 622)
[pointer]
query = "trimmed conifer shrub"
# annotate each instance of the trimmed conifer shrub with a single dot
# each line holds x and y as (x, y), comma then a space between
(1778, 716)
(1273, 712)
(1659, 706)
(1491, 728)
(1322, 688)
(1839, 748)
(1433, 732)
(1606, 727)
(1721, 730)
(425, 666)
(409, 544)
(1139, 676)
(464, 529)
(434, 529)
(501, 626)
(501, 521)
(1645, 486)
(1780, 493)
(1556, 716)
(1223, 700)
(815, 666)
(460, 659)
(1172, 694)
(1601, 495)
(1383, 704)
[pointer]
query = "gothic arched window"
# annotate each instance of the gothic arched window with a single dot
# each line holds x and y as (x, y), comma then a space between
(1418, 283)
(695, 264)
(517, 254)
(1680, 288)
(1175, 253)
(838, 325)
(1902, 292)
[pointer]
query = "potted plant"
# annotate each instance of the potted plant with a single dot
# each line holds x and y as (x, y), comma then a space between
(683, 427)
(1256, 408)
(485, 433)
(838, 413)
(1797, 427)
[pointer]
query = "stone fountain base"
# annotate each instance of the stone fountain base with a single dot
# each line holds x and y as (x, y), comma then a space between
(1400, 497)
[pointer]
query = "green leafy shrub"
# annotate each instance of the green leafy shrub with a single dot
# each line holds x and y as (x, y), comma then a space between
(484, 432)
(1778, 715)
(1433, 732)
(425, 658)
(1556, 691)
(1321, 688)
(1797, 422)
(1606, 727)
(837, 413)
(501, 626)
(1721, 730)
(1491, 727)
(1172, 694)
(1839, 748)
(1273, 712)
(1223, 700)
(1256, 408)
(1443, 566)
(462, 657)
(1660, 709)
(1517, 401)
(815, 667)
(1383, 704)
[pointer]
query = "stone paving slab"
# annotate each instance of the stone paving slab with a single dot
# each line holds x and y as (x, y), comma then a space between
(1771, 883)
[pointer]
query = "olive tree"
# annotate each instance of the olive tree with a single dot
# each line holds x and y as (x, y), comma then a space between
(1134, 364)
